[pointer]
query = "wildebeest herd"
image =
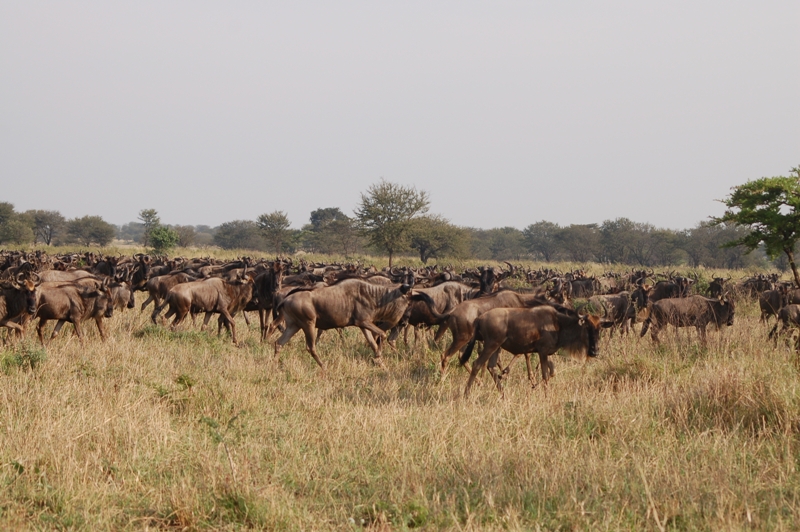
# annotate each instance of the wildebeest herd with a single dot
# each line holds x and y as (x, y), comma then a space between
(510, 308)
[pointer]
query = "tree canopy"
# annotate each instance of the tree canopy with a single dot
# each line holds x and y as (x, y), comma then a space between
(385, 213)
(770, 208)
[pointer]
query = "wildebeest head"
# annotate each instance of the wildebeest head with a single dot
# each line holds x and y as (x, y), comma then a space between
(731, 308)
(578, 333)
(407, 282)
(639, 297)
(29, 288)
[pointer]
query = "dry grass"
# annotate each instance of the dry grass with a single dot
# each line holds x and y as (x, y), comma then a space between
(185, 431)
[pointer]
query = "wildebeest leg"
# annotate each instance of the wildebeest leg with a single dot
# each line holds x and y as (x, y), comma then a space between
(57, 328)
(701, 330)
(40, 329)
(491, 367)
(147, 302)
(654, 328)
(157, 311)
(531, 378)
(101, 328)
(376, 331)
(229, 323)
(262, 322)
(548, 368)
(487, 351)
(439, 333)
(246, 319)
(206, 319)
(275, 324)
(76, 322)
(452, 349)
(311, 346)
(290, 331)
(376, 347)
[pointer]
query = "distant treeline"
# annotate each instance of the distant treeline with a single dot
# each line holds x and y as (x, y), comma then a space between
(330, 231)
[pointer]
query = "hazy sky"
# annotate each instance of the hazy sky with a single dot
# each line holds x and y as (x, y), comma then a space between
(505, 112)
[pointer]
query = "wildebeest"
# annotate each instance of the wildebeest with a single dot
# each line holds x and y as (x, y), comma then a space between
(676, 286)
(158, 288)
(788, 316)
(693, 311)
(521, 331)
(350, 303)
(621, 309)
(461, 321)
(445, 297)
(717, 286)
(771, 301)
(16, 298)
(212, 296)
(73, 303)
(583, 288)
(267, 284)
(52, 276)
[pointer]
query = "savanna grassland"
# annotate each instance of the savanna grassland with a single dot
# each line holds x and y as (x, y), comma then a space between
(183, 430)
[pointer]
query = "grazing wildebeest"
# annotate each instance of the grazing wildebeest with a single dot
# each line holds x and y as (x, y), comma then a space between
(349, 303)
(693, 311)
(788, 316)
(521, 331)
(212, 296)
(771, 301)
(73, 303)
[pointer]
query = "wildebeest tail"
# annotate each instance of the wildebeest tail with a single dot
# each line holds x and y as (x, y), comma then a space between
(468, 350)
(422, 296)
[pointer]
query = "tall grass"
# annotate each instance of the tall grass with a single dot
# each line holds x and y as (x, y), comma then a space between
(182, 430)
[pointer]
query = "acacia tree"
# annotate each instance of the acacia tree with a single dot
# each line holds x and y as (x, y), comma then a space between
(90, 230)
(542, 238)
(46, 225)
(150, 220)
(275, 229)
(385, 213)
(434, 236)
(770, 207)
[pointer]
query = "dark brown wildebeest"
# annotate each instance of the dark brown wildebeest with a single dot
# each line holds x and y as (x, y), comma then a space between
(18, 297)
(583, 288)
(521, 331)
(267, 285)
(73, 303)
(349, 303)
(212, 296)
(461, 321)
(771, 301)
(789, 316)
(676, 286)
(717, 286)
(693, 311)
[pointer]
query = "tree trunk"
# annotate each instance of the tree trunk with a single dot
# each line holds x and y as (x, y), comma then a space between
(790, 256)
(390, 258)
